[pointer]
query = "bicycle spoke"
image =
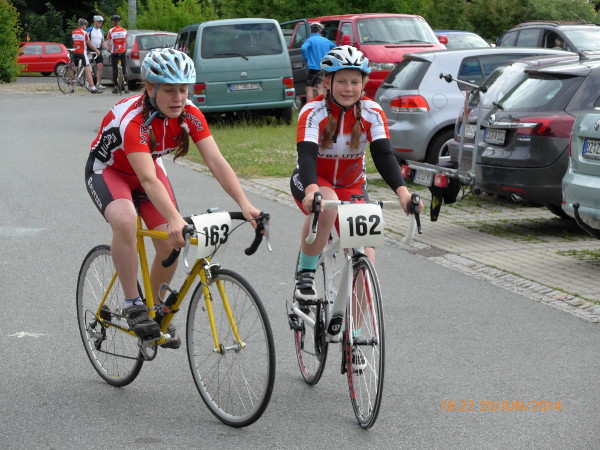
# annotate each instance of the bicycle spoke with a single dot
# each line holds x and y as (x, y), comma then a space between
(234, 382)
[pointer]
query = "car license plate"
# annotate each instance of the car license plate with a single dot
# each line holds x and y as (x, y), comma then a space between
(591, 149)
(244, 86)
(470, 130)
(494, 136)
(423, 177)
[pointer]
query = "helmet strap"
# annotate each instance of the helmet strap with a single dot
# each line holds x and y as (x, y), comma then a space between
(156, 111)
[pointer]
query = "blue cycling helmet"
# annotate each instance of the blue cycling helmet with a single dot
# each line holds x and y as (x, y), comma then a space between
(168, 66)
(345, 57)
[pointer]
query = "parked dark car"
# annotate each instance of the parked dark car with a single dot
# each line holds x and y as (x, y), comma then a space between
(496, 86)
(570, 36)
(457, 39)
(421, 108)
(139, 43)
(44, 57)
(524, 153)
(581, 183)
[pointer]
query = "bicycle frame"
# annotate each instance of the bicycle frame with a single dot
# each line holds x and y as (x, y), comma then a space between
(200, 269)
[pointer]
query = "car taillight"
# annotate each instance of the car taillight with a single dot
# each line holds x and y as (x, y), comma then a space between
(440, 180)
(406, 170)
(548, 126)
(409, 103)
(288, 83)
(135, 53)
(200, 92)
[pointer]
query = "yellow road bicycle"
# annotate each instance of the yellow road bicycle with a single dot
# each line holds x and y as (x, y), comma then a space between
(228, 335)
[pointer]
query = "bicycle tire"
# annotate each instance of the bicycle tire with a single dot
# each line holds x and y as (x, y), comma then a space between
(235, 385)
(310, 343)
(114, 354)
(120, 79)
(364, 335)
(66, 80)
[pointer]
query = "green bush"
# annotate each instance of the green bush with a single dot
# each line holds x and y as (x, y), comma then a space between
(9, 42)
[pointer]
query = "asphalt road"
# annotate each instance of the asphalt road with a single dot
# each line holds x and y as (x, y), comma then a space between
(451, 337)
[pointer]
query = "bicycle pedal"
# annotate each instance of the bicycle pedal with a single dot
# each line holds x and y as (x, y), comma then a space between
(293, 322)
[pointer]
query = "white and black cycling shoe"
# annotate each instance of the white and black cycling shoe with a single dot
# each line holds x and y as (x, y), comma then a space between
(305, 286)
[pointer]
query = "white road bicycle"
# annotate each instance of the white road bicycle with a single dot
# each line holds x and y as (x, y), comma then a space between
(348, 309)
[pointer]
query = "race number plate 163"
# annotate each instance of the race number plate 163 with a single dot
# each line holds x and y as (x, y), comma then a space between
(361, 225)
(212, 231)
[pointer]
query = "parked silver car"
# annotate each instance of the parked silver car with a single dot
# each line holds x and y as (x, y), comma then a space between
(422, 108)
(581, 183)
(139, 43)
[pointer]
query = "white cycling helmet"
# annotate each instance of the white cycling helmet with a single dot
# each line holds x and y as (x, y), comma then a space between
(168, 66)
(98, 19)
(316, 27)
(345, 57)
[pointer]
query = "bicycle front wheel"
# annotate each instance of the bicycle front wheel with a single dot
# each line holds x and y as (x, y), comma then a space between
(310, 342)
(364, 344)
(66, 79)
(114, 354)
(234, 380)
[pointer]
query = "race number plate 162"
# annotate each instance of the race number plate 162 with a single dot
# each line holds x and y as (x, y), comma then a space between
(361, 225)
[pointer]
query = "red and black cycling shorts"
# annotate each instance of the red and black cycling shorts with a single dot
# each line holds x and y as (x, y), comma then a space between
(110, 184)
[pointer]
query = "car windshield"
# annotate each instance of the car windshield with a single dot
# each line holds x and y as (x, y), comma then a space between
(457, 41)
(250, 39)
(151, 41)
(541, 93)
(394, 30)
(500, 81)
(587, 39)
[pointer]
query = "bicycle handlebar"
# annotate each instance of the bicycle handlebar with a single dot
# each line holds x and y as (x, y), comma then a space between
(319, 204)
(262, 225)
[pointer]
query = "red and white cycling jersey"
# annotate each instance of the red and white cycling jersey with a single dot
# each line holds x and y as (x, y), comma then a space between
(341, 165)
(118, 39)
(79, 38)
(122, 132)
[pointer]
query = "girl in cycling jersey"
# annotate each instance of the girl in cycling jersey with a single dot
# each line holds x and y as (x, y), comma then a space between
(125, 164)
(333, 132)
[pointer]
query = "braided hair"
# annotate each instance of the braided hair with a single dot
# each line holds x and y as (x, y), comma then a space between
(183, 144)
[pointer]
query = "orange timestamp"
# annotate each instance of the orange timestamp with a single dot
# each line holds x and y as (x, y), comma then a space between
(500, 406)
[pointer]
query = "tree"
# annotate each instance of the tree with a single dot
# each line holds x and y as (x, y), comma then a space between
(167, 15)
(9, 42)
(46, 27)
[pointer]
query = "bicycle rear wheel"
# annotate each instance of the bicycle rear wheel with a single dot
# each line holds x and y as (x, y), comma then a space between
(235, 383)
(120, 79)
(66, 79)
(114, 354)
(364, 344)
(310, 343)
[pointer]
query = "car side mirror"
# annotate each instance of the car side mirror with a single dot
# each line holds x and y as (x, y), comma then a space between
(443, 39)
(346, 39)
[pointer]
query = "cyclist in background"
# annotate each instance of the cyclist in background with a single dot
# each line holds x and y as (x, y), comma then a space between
(333, 132)
(80, 39)
(313, 49)
(125, 164)
(96, 35)
(117, 38)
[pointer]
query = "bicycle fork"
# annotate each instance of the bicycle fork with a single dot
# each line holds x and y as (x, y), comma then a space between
(220, 348)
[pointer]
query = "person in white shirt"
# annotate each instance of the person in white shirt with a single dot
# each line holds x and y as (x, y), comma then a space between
(96, 35)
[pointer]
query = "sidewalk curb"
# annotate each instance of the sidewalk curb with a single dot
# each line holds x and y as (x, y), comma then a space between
(569, 303)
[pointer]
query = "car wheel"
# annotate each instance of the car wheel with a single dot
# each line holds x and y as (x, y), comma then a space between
(438, 147)
(59, 69)
(558, 211)
(285, 115)
(46, 74)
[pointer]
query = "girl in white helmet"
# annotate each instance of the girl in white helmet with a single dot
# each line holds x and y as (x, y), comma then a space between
(333, 132)
(125, 161)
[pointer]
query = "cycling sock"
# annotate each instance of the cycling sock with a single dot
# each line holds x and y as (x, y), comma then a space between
(306, 262)
(133, 301)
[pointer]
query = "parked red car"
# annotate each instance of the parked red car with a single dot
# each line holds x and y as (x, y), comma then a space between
(44, 57)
